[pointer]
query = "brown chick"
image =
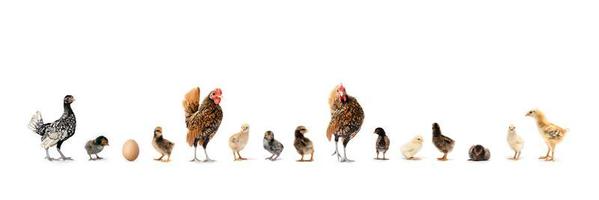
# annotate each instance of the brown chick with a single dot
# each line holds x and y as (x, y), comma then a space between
(347, 117)
(302, 144)
(551, 133)
(163, 146)
(443, 143)
(382, 143)
(203, 120)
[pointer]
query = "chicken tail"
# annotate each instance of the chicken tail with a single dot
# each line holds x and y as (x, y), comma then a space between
(330, 131)
(191, 136)
(170, 146)
(332, 97)
(191, 103)
(36, 123)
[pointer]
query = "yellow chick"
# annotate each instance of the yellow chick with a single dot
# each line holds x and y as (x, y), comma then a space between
(551, 133)
(238, 141)
(410, 149)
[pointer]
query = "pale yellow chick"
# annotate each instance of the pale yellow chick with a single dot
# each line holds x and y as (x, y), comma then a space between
(515, 141)
(410, 149)
(238, 141)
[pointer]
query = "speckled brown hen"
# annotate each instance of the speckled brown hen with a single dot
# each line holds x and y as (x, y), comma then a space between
(347, 117)
(202, 120)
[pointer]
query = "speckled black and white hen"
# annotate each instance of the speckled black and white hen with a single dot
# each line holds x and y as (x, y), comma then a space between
(57, 132)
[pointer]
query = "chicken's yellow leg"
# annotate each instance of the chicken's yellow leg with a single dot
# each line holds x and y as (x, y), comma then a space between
(240, 158)
(552, 153)
(161, 155)
(444, 158)
(548, 150)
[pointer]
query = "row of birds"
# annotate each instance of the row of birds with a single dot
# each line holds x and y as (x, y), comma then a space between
(203, 120)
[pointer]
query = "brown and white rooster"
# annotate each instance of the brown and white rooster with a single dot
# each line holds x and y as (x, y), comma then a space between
(202, 120)
(552, 134)
(346, 119)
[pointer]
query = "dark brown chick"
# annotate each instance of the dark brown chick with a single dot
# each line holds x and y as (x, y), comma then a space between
(479, 153)
(302, 144)
(347, 117)
(163, 146)
(443, 143)
(202, 120)
(382, 143)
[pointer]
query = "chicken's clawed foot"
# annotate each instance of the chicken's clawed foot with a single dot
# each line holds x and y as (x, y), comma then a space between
(50, 159)
(66, 158)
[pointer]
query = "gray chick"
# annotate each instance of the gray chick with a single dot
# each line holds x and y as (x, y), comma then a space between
(479, 153)
(273, 146)
(96, 146)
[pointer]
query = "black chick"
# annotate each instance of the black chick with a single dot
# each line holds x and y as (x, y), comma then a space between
(57, 132)
(382, 142)
(271, 145)
(479, 153)
(302, 144)
(96, 146)
(443, 143)
(163, 146)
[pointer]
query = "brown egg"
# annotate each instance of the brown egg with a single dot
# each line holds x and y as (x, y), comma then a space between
(130, 150)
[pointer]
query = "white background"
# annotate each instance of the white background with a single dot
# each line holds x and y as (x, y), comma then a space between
(473, 66)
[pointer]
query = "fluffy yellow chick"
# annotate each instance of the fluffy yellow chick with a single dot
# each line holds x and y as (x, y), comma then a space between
(410, 149)
(238, 141)
(515, 142)
(551, 133)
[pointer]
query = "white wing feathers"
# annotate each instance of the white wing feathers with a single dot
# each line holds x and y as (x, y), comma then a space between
(51, 139)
